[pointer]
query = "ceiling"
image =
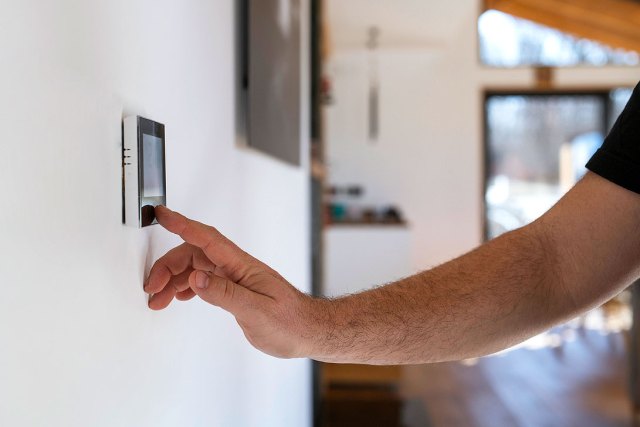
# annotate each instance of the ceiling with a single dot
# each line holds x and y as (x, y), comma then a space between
(612, 22)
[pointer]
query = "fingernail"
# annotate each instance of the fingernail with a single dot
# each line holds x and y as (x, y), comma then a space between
(202, 280)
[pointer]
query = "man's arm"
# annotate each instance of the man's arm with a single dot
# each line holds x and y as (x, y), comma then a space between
(582, 252)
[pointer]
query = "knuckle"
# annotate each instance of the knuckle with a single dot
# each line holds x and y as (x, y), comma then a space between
(222, 291)
(210, 244)
(182, 228)
(228, 290)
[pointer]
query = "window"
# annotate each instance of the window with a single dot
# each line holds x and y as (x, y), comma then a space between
(507, 41)
(536, 148)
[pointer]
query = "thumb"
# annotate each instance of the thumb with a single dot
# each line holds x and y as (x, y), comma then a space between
(221, 292)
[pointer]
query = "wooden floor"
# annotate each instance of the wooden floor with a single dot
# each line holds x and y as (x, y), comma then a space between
(581, 382)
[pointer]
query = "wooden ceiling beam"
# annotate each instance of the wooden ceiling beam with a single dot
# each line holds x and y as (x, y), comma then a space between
(613, 22)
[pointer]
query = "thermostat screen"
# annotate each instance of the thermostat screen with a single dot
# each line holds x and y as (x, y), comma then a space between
(153, 166)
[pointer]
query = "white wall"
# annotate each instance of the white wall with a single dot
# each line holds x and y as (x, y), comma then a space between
(428, 159)
(78, 346)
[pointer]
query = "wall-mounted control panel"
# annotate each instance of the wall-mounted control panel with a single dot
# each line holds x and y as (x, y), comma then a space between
(144, 177)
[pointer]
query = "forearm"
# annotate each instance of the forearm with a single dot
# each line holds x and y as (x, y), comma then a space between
(477, 304)
(582, 252)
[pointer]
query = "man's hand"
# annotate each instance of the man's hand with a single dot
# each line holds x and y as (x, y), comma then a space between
(575, 257)
(274, 316)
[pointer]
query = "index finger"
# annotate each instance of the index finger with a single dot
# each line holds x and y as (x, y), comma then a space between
(233, 261)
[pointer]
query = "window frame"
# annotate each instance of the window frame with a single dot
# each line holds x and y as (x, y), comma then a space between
(603, 93)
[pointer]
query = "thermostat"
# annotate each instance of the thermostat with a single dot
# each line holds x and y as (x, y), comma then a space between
(144, 178)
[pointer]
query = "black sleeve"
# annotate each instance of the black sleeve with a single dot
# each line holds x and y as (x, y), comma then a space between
(618, 159)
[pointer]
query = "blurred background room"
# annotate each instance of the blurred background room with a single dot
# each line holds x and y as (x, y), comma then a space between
(439, 125)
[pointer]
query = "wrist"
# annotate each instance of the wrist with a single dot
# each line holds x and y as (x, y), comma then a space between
(319, 326)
